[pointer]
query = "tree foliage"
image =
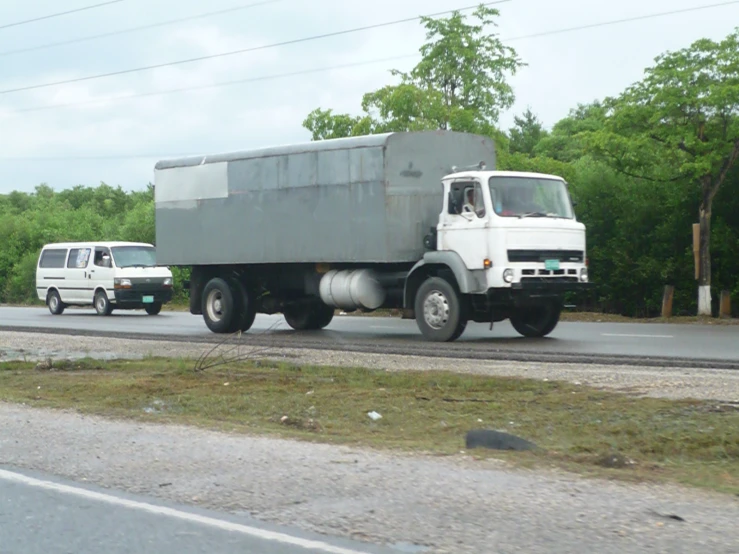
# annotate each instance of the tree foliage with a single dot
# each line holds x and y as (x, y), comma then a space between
(28, 221)
(459, 84)
(638, 165)
(681, 122)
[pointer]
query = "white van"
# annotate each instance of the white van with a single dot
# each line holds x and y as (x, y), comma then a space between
(106, 275)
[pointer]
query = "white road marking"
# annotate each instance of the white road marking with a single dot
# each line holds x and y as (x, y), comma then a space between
(638, 336)
(161, 510)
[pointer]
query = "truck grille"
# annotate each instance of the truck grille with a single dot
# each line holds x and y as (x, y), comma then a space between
(541, 255)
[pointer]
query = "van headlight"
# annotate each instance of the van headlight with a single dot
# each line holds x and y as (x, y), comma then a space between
(122, 283)
(584, 274)
(508, 275)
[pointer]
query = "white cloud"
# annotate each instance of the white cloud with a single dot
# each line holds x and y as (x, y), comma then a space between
(563, 70)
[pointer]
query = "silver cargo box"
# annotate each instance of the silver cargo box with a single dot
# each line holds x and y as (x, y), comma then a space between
(359, 199)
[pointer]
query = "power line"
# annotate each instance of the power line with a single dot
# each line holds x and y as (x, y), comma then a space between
(133, 29)
(340, 66)
(627, 20)
(213, 85)
(243, 50)
(59, 14)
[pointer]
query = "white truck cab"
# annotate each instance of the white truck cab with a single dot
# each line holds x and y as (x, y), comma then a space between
(513, 245)
(106, 275)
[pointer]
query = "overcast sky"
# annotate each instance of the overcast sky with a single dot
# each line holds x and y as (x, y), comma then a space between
(122, 140)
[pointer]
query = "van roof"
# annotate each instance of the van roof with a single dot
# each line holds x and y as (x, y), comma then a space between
(107, 244)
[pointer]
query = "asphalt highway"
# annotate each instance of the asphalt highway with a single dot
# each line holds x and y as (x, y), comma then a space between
(42, 514)
(630, 343)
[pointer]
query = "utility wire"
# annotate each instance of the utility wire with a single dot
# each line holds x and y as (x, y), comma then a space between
(243, 50)
(133, 29)
(338, 67)
(211, 86)
(59, 14)
(627, 20)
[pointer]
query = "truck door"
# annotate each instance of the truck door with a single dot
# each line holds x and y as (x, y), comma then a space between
(464, 226)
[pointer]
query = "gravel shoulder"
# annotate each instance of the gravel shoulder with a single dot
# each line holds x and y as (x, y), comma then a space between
(699, 383)
(450, 505)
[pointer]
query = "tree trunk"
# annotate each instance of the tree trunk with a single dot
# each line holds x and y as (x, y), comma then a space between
(704, 253)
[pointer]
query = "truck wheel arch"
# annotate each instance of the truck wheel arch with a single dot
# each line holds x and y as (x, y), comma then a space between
(438, 263)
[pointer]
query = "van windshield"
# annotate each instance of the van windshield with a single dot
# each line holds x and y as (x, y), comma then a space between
(134, 256)
(530, 197)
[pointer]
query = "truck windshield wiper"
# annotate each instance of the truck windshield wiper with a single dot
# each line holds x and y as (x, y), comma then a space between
(532, 214)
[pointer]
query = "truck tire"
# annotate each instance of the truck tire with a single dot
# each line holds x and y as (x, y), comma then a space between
(220, 306)
(440, 313)
(246, 305)
(537, 321)
(309, 316)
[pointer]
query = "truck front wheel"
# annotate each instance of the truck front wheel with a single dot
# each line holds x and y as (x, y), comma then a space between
(440, 312)
(537, 321)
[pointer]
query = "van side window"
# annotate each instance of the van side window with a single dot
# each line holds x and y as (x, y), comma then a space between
(78, 258)
(53, 258)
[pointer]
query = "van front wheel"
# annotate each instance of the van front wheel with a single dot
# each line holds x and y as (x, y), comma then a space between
(102, 304)
(153, 309)
(54, 302)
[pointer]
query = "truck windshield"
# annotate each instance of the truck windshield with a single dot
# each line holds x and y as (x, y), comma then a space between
(530, 197)
(134, 256)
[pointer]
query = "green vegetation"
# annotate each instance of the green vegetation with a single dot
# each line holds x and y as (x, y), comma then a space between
(643, 166)
(576, 427)
(28, 221)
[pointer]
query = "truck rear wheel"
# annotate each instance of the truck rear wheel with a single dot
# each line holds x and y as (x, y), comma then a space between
(440, 312)
(309, 316)
(537, 321)
(221, 307)
(248, 309)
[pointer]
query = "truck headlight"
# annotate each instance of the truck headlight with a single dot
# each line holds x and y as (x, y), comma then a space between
(121, 283)
(508, 275)
(168, 282)
(584, 274)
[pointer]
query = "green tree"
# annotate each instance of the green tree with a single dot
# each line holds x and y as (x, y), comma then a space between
(459, 84)
(526, 133)
(681, 122)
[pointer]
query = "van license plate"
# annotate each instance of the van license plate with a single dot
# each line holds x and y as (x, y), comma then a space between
(147, 299)
(551, 265)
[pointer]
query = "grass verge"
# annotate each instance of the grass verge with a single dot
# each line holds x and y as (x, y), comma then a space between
(578, 428)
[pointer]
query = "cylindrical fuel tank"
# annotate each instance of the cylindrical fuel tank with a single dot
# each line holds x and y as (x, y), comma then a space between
(352, 289)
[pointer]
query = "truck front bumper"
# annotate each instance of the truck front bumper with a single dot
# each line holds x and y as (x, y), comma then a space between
(530, 290)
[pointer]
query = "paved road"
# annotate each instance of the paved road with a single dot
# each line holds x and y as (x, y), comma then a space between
(43, 515)
(651, 344)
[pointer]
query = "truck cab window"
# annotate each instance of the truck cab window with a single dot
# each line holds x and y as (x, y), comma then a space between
(466, 197)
